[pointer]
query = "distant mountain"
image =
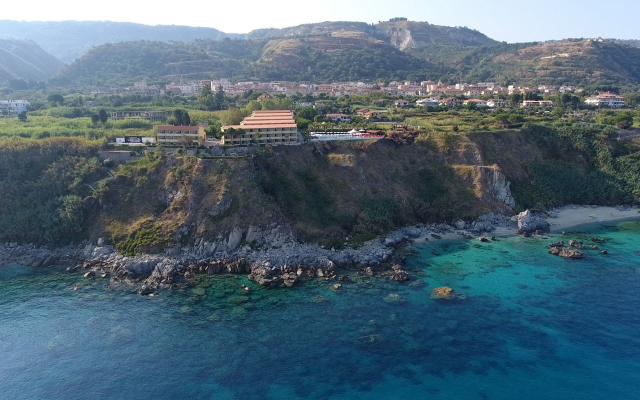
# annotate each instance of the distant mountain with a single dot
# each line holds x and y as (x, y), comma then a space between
(68, 40)
(23, 59)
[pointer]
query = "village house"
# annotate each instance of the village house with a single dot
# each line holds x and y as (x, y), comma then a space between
(401, 104)
(432, 102)
(607, 100)
(180, 135)
(494, 103)
(479, 103)
(152, 116)
(450, 102)
(336, 118)
(537, 104)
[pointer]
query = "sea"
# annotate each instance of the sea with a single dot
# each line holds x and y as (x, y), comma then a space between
(532, 326)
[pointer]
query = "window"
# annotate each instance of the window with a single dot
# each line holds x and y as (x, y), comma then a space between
(170, 131)
(161, 131)
(178, 131)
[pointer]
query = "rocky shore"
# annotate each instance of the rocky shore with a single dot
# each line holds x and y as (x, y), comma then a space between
(274, 259)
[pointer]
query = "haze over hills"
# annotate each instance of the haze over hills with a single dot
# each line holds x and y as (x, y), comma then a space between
(68, 40)
(24, 59)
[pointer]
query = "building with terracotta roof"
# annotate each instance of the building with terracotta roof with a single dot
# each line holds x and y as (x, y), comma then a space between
(263, 127)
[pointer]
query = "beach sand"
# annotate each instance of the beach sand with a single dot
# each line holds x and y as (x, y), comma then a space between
(578, 215)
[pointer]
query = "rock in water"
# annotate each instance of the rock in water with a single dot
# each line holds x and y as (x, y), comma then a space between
(399, 275)
(529, 223)
(576, 243)
(571, 253)
(446, 293)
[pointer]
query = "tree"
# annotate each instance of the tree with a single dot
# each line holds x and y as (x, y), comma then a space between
(23, 116)
(186, 119)
(178, 116)
(55, 99)
(502, 120)
(102, 114)
(95, 119)
(623, 120)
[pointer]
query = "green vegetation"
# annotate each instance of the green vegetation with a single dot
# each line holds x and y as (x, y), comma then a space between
(42, 186)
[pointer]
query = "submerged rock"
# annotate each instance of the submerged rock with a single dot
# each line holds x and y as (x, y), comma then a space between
(446, 293)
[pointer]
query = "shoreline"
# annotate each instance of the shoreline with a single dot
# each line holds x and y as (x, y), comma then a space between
(573, 216)
(285, 265)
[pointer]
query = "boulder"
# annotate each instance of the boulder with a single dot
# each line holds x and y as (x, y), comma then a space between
(90, 274)
(145, 290)
(289, 279)
(571, 253)
(576, 243)
(555, 251)
(529, 223)
(446, 293)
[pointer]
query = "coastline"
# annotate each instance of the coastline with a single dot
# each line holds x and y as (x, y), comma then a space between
(572, 216)
(285, 265)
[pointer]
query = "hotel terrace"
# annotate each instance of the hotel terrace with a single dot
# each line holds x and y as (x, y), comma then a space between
(263, 127)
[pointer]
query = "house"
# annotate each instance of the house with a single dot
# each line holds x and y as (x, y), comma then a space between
(432, 102)
(91, 104)
(401, 104)
(494, 103)
(607, 100)
(362, 111)
(263, 127)
(450, 102)
(180, 135)
(537, 104)
(339, 117)
(152, 116)
(370, 115)
(479, 103)
(264, 96)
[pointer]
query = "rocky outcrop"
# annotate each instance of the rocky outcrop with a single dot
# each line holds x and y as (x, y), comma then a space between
(399, 275)
(571, 253)
(446, 293)
(529, 223)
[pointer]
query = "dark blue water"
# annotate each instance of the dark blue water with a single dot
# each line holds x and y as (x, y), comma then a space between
(533, 326)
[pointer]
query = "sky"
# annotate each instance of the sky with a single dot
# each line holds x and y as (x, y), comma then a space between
(503, 20)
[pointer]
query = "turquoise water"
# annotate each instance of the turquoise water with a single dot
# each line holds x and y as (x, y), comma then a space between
(533, 326)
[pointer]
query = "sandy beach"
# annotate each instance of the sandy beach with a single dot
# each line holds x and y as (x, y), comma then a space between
(571, 216)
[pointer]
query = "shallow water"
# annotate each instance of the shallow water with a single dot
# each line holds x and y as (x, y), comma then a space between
(532, 326)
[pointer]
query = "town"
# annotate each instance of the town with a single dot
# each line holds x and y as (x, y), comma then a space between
(277, 113)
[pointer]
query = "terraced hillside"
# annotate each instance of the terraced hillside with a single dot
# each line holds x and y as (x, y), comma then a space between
(23, 59)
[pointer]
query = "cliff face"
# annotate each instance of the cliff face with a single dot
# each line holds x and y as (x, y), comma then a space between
(323, 192)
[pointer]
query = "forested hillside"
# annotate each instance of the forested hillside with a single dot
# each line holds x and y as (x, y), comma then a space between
(127, 62)
(23, 59)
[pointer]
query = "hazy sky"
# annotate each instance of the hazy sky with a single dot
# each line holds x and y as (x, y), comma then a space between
(508, 20)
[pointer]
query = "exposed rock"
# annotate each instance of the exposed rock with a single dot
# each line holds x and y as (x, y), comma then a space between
(289, 279)
(598, 240)
(555, 251)
(576, 243)
(446, 293)
(399, 275)
(557, 244)
(90, 274)
(571, 253)
(529, 223)
(145, 290)
(222, 205)
(336, 287)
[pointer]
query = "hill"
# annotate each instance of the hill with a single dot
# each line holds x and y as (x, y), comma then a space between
(127, 62)
(343, 56)
(68, 40)
(569, 62)
(400, 33)
(23, 59)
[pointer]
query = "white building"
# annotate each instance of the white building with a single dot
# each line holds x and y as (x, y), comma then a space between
(606, 99)
(432, 102)
(494, 103)
(12, 108)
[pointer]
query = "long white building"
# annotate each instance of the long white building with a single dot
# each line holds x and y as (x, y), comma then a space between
(14, 107)
(606, 99)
